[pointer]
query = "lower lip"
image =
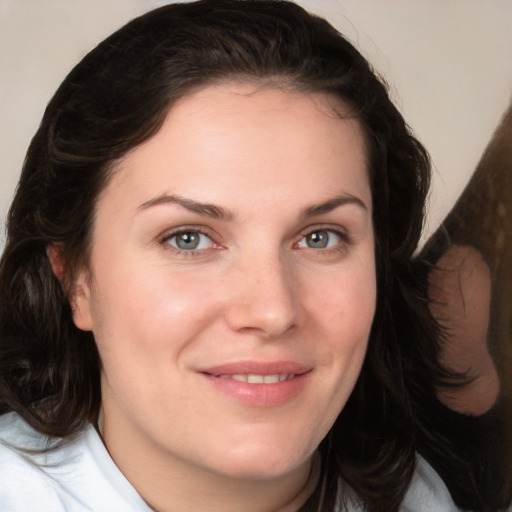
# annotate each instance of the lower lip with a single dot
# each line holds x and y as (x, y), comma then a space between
(260, 395)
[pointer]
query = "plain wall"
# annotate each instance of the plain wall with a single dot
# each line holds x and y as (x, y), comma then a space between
(448, 63)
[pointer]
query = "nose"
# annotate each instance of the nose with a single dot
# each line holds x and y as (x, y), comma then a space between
(263, 299)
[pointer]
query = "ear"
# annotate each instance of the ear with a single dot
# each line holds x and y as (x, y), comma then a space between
(79, 292)
(56, 260)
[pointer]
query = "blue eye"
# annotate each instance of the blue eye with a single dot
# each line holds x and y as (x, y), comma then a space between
(190, 241)
(320, 239)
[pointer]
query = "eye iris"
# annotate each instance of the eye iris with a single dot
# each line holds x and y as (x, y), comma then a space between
(318, 239)
(188, 240)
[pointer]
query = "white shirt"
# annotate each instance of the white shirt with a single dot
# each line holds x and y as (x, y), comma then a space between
(80, 476)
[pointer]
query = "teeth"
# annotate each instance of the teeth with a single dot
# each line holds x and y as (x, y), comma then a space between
(259, 379)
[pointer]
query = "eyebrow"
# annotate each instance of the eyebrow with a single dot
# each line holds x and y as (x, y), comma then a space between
(209, 210)
(332, 204)
(220, 213)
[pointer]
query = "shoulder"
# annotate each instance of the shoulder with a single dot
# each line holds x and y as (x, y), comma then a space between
(24, 484)
(427, 492)
(42, 475)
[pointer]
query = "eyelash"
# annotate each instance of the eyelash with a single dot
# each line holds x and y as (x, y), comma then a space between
(344, 240)
(165, 241)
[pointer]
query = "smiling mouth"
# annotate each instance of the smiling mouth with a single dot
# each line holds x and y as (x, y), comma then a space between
(259, 379)
(258, 384)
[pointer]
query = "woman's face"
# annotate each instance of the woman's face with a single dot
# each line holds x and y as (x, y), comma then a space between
(231, 285)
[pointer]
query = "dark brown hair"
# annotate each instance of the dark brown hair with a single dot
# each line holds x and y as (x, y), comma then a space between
(116, 98)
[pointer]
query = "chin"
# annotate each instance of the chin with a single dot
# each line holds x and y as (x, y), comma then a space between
(264, 461)
(263, 449)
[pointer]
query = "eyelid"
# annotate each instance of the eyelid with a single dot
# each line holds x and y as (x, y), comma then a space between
(335, 228)
(164, 238)
(339, 231)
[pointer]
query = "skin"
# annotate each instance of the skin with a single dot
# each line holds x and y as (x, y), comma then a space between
(255, 290)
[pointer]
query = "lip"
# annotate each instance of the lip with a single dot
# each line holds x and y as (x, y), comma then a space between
(257, 367)
(261, 394)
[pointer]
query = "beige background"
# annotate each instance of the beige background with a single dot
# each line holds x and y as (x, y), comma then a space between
(448, 62)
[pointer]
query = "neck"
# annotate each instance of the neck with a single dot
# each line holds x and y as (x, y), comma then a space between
(238, 496)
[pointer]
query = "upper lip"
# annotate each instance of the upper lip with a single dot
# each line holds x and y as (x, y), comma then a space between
(257, 368)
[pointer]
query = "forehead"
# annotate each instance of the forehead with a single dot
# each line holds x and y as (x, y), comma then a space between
(241, 136)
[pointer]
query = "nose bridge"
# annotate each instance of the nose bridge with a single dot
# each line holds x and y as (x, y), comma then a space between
(265, 298)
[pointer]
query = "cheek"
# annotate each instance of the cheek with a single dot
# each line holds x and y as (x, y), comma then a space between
(344, 320)
(347, 301)
(147, 311)
(142, 327)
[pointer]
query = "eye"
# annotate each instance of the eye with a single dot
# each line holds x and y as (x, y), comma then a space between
(320, 239)
(190, 240)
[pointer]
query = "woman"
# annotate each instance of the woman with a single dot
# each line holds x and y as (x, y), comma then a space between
(207, 295)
